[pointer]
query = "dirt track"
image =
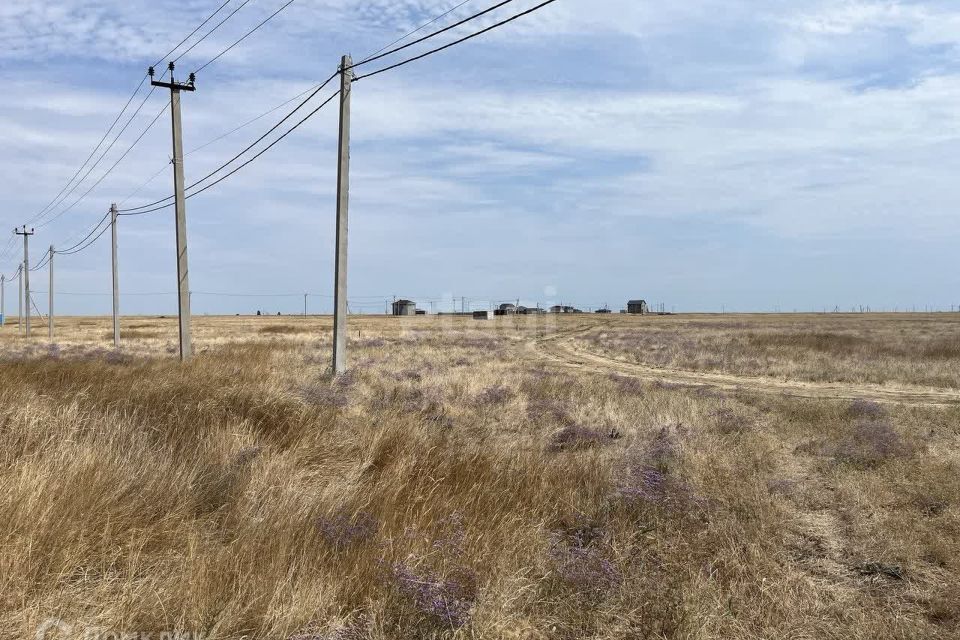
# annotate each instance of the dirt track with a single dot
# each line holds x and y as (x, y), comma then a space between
(562, 350)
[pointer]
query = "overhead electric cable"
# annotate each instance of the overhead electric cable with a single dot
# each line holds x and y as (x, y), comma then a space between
(90, 242)
(267, 148)
(66, 186)
(43, 262)
(112, 167)
(207, 34)
(238, 168)
(92, 231)
(245, 36)
(417, 30)
(191, 34)
(153, 205)
(102, 155)
(92, 153)
(455, 42)
(210, 142)
(432, 35)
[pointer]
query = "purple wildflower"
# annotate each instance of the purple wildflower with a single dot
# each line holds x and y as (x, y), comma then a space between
(494, 395)
(870, 444)
(341, 531)
(323, 394)
(630, 386)
(447, 602)
(861, 408)
(649, 476)
(583, 567)
(573, 438)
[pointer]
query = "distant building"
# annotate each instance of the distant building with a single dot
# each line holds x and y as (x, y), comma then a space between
(564, 309)
(530, 311)
(421, 312)
(482, 315)
(603, 311)
(507, 309)
(404, 308)
(637, 306)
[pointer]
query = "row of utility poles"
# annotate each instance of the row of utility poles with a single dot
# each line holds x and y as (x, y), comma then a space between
(24, 298)
(339, 360)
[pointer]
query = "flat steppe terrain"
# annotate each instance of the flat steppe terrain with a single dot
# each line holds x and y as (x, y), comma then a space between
(692, 476)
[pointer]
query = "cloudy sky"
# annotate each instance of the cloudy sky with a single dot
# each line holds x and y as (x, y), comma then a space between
(706, 154)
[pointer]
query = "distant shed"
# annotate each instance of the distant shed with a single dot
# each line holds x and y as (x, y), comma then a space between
(637, 306)
(404, 308)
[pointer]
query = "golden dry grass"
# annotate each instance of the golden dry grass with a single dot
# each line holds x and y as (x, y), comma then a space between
(922, 349)
(456, 484)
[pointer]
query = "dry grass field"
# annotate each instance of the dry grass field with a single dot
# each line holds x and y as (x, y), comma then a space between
(524, 478)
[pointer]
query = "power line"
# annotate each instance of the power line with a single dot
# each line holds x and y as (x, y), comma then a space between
(90, 242)
(199, 26)
(420, 28)
(271, 130)
(268, 147)
(149, 180)
(455, 42)
(434, 34)
(57, 198)
(102, 156)
(15, 273)
(112, 167)
(245, 36)
(92, 231)
(8, 248)
(252, 120)
(92, 153)
(207, 34)
(130, 212)
(207, 144)
(40, 265)
(152, 206)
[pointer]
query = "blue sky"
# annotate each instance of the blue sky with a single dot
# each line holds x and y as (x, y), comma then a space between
(747, 155)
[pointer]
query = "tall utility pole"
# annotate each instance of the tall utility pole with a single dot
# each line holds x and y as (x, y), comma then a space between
(304, 305)
(116, 278)
(50, 296)
(343, 204)
(183, 283)
(25, 274)
(3, 300)
(20, 300)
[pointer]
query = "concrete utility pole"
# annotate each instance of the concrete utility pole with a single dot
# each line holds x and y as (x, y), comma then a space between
(183, 282)
(116, 276)
(50, 296)
(25, 275)
(304, 305)
(343, 204)
(20, 301)
(3, 300)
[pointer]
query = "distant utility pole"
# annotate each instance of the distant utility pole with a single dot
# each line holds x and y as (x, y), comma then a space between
(116, 275)
(50, 296)
(304, 305)
(183, 282)
(20, 301)
(3, 300)
(343, 205)
(25, 276)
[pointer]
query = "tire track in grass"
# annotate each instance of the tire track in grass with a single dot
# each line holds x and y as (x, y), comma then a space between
(561, 349)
